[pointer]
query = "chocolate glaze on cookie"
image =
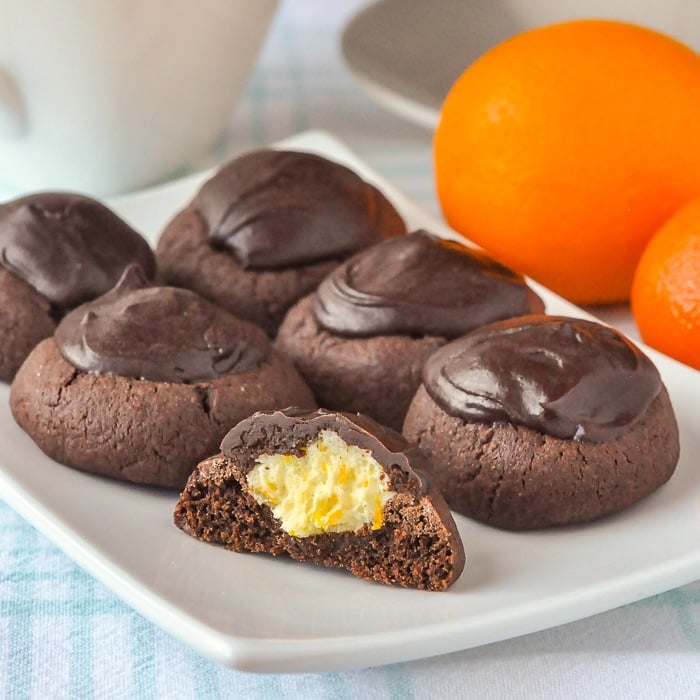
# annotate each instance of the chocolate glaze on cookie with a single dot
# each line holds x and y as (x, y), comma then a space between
(68, 247)
(514, 477)
(565, 377)
(162, 334)
(299, 426)
(421, 285)
(361, 341)
(274, 209)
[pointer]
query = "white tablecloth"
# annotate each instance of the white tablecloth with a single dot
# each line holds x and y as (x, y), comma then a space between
(64, 635)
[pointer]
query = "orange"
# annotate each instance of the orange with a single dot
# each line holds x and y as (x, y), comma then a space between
(666, 287)
(564, 148)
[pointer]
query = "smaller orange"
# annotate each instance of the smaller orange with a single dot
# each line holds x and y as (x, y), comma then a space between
(666, 287)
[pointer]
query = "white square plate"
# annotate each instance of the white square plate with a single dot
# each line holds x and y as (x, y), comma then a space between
(257, 613)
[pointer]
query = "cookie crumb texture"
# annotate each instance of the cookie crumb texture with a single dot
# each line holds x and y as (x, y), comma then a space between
(187, 259)
(26, 318)
(136, 430)
(412, 542)
(517, 478)
(376, 376)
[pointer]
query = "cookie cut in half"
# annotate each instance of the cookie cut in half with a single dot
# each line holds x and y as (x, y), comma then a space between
(332, 488)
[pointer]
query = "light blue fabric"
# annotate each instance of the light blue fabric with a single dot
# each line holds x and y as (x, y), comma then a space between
(64, 635)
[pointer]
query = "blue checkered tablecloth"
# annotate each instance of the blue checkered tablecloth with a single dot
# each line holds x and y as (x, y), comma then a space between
(64, 635)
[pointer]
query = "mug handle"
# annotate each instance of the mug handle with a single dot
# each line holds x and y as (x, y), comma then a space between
(12, 117)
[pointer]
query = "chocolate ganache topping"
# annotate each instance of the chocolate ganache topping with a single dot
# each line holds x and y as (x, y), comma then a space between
(274, 209)
(419, 284)
(68, 247)
(162, 334)
(565, 377)
(293, 428)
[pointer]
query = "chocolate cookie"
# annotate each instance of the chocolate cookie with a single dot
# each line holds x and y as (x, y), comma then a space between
(543, 421)
(268, 227)
(328, 488)
(143, 383)
(361, 341)
(57, 250)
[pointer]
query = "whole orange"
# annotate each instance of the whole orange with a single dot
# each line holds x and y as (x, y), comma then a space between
(666, 287)
(563, 149)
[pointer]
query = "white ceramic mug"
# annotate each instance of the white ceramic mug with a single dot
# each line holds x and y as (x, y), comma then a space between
(106, 96)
